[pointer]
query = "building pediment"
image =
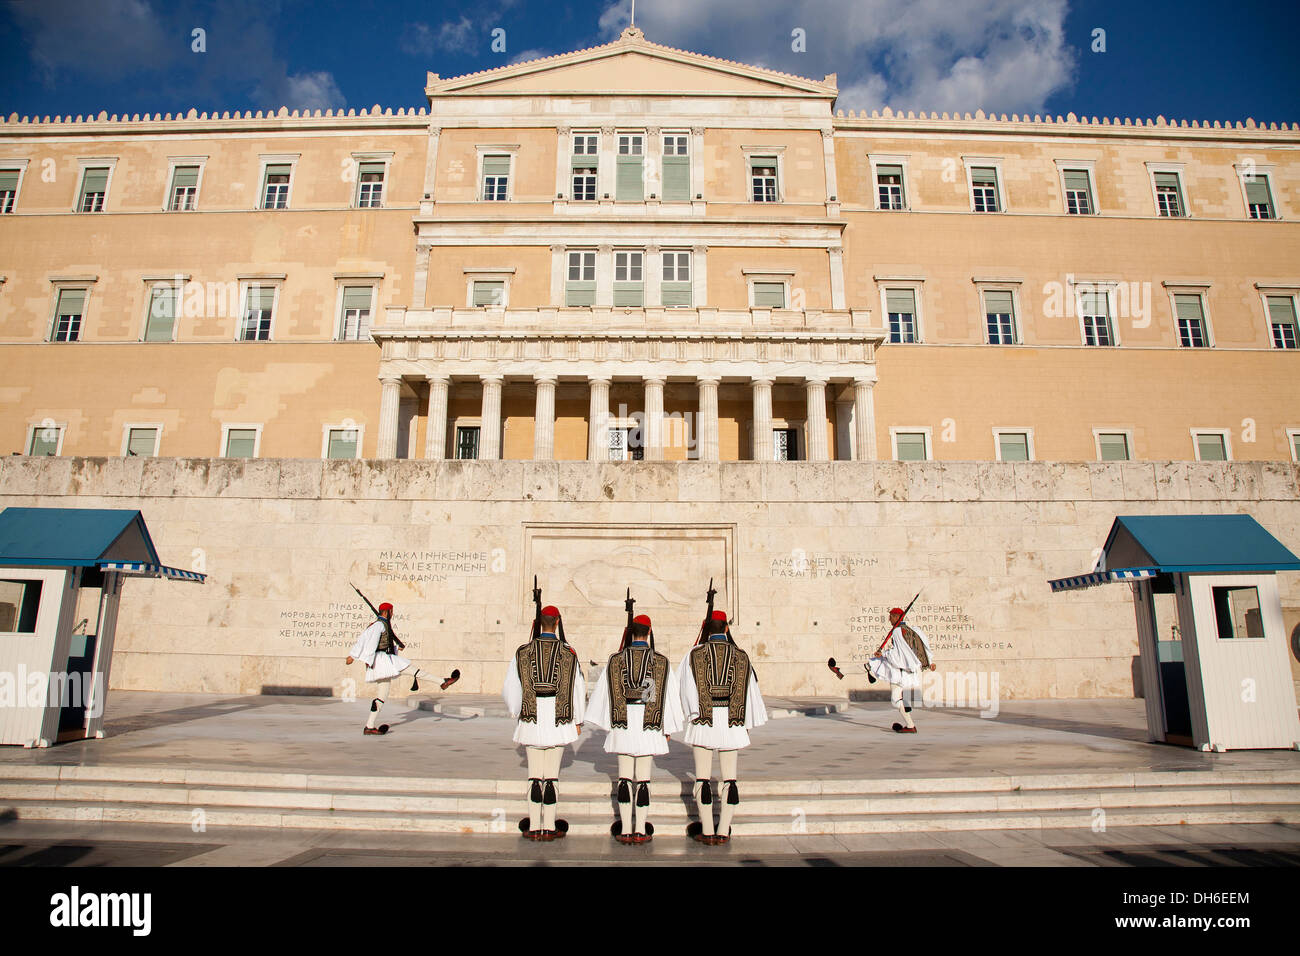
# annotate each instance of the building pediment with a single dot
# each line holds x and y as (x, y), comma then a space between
(631, 65)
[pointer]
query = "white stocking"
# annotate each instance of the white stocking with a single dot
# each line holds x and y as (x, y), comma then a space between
(536, 771)
(381, 694)
(703, 770)
(644, 768)
(728, 761)
(551, 757)
(626, 774)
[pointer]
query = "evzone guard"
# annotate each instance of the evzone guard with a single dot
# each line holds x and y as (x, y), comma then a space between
(900, 659)
(636, 699)
(722, 703)
(377, 648)
(544, 691)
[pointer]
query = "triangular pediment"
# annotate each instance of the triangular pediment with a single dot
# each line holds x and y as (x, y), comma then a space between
(631, 65)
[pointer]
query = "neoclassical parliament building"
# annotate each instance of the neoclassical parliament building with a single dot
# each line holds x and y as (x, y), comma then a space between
(635, 252)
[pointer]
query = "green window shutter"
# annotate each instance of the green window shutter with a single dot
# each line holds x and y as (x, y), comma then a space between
(95, 181)
(911, 446)
(142, 442)
(241, 442)
(1189, 306)
(162, 314)
(496, 165)
(343, 443)
(677, 177)
(578, 294)
(676, 294)
(769, 295)
(1076, 179)
(372, 169)
(629, 294)
(984, 176)
(9, 180)
(261, 297)
(1211, 448)
(997, 302)
(1094, 302)
(185, 176)
(278, 170)
(1257, 192)
(1169, 180)
(901, 300)
(1281, 309)
(762, 162)
(489, 293)
(72, 301)
(1114, 447)
(889, 170)
(45, 441)
(628, 182)
(356, 297)
(1014, 447)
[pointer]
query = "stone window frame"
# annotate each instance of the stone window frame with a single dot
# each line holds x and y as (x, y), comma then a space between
(1178, 169)
(465, 421)
(13, 163)
(1293, 443)
(1088, 166)
(798, 425)
(92, 162)
(371, 156)
(178, 282)
(276, 159)
(783, 276)
(1201, 289)
(173, 162)
(228, 427)
(925, 430)
(972, 162)
(1107, 286)
(482, 151)
(1267, 171)
(749, 152)
(627, 424)
(502, 274)
(328, 427)
(995, 284)
(342, 280)
(85, 284)
(246, 282)
(32, 428)
(1000, 430)
(126, 436)
(1224, 433)
(1267, 292)
(1128, 440)
(880, 159)
(913, 283)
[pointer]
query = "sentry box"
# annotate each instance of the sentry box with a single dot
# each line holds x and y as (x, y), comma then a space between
(61, 572)
(1212, 644)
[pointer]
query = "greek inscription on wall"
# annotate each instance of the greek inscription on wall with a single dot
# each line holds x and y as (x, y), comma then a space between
(333, 628)
(439, 566)
(815, 564)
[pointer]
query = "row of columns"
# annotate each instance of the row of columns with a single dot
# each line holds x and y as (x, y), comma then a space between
(435, 442)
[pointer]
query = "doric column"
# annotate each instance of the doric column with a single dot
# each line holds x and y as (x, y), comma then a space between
(390, 397)
(489, 443)
(598, 421)
(864, 416)
(544, 420)
(435, 426)
(654, 419)
(818, 448)
(762, 437)
(707, 431)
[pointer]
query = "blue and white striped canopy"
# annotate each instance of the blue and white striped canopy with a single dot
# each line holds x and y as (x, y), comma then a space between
(1102, 577)
(138, 570)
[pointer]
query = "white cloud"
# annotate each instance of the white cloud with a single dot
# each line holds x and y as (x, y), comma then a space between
(311, 91)
(416, 39)
(456, 37)
(1003, 55)
(525, 55)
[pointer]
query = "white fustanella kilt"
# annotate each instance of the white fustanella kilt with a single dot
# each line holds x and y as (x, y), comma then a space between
(386, 666)
(717, 736)
(545, 732)
(636, 741)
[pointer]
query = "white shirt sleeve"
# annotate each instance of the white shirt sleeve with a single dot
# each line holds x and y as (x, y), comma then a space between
(689, 695)
(514, 690)
(755, 709)
(579, 695)
(674, 719)
(598, 707)
(367, 643)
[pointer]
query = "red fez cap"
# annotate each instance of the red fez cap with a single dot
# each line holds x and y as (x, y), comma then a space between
(550, 611)
(642, 619)
(385, 607)
(719, 615)
(897, 610)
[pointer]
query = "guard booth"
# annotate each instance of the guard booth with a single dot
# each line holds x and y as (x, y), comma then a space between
(61, 572)
(1212, 645)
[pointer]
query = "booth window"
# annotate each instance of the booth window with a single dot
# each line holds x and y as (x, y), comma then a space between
(1236, 612)
(19, 602)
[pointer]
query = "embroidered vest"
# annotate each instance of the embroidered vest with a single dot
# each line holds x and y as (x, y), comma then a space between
(638, 675)
(721, 672)
(385, 639)
(546, 669)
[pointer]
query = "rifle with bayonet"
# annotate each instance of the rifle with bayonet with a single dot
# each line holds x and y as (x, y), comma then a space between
(388, 625)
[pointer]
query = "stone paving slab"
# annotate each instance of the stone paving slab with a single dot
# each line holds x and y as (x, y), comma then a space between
(309, 735)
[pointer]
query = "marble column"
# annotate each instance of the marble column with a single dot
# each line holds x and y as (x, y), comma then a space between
(544, 420)
(707, 426)
(864, 416)
(653, 433)
(818, 447)
(762, 428)
(598, 421)
(389, 399)
(435, 426)
(489, 438)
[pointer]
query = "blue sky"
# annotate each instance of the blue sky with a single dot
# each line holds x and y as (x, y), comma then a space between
(1196, 59)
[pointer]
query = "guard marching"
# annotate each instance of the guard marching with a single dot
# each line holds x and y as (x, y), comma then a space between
(900, 659)
(377, 648)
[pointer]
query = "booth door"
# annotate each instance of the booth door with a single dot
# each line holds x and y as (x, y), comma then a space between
(79, 671)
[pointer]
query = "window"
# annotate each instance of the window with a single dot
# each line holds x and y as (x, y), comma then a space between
(762, 177)
(141, 441)
(1000, 317)
(489, 293)
(984, 188)
(20, 602)
(94, 185)
(628, 180)
(785, 444)
(1113, 446)
(1169, 195)
(259, 304)
(677, 168)
(1293, 435)
(240, 441)
(900, 305)
(1191, 321)
(580, 289)
(629, 284)
(275, 186)
(1094, 313)
(185, 188)
(584, 180)
(889, 187)
(370, 184)
(1259, 199)
(676, 287)
(1014, 445)
(9, 189)
(1078, 192)
(342, 442)
(354, 320)
(496, 177)
(1282, 321)
(467, 441)
(623, 445)
(585, 144)
(160, 323)
(1211, 446)
(910, 446)
(69, 309)
(1236, 613)
(46, 439)
(769, 295)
